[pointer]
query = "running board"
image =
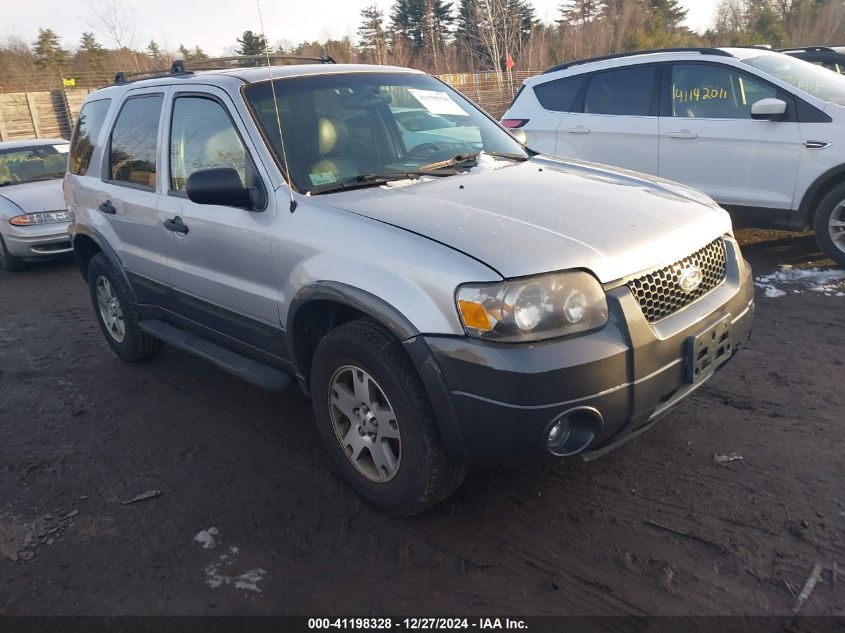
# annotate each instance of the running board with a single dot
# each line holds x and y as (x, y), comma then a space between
(258, 374)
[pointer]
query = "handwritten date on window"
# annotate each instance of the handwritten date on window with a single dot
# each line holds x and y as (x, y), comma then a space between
(699, 94)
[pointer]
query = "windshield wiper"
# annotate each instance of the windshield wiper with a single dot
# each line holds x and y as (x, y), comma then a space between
(460, 159)
(363, 180)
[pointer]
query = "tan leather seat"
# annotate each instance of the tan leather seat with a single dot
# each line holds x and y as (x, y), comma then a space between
(332, 143)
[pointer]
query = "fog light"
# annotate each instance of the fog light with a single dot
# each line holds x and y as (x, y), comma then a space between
(558, 434)
(573, 431)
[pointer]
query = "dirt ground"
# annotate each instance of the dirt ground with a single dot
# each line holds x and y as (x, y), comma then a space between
(657, 527)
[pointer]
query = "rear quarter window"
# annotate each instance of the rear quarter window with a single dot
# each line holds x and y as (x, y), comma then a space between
(559, 95)
(85, 134)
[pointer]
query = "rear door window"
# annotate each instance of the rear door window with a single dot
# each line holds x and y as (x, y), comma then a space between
(134, 141)
(559, 95)
(88, 127)
(624, 91)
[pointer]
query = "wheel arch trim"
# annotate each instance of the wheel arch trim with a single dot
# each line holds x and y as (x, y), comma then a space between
(95, 236)
(407, 334)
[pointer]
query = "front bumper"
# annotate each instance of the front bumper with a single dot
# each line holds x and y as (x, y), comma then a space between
(503, 398)
(44, 240)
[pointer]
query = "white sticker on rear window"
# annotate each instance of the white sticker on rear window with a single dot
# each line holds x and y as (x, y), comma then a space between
(62, 149)
(437, 102)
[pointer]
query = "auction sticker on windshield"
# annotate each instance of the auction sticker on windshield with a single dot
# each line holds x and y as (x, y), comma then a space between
(437, 102)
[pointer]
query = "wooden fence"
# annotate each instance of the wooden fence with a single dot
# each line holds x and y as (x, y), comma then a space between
(47, 114)
(51, 114)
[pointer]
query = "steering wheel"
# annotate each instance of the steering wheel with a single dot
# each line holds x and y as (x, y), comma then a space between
(416, 152)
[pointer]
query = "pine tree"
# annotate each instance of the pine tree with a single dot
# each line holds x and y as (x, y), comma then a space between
(671, 11)
(184, 53)
(92, 51)
(371, 34)
(251, 44)
(48, 50)
(154, 51)
(580, 12)
(424, 23)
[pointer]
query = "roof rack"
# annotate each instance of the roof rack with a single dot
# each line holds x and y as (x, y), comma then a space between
(248, 61)
(179, 68)
(578, 62)
(176, 68)
(807, 49)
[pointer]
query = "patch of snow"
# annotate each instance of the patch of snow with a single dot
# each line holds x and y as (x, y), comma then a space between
(773, 292)
(488, 163)
(829, 281)
(216, 575)
(207, 537)
(398, 184)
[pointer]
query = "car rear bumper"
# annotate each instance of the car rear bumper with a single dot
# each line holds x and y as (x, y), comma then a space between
(46, 240)
(503, 399)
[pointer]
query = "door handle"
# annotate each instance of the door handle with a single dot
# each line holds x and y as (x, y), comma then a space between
(817, 144)
(176, 225)
(108, 208)
(579, 130)
(683, 134)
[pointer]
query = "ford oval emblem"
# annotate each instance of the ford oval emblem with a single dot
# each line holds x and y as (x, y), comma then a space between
(690, 279)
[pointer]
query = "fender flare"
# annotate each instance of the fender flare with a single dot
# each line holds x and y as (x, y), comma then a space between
(411, 339)
(361, 300)
(105, 248)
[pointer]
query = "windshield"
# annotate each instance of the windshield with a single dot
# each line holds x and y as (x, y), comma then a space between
(28, 164)
(363, 127)
(810, 78)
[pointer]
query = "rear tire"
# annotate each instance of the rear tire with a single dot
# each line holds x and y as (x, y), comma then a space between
(387, 445)
(829, 224)
(9, 262)
(117, 314)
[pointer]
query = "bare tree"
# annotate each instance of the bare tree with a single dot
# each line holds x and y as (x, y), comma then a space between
(113, 20)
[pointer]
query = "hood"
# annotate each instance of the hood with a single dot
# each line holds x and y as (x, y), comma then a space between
(31, 197)
(546, 214)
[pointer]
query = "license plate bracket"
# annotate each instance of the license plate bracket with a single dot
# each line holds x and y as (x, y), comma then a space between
(708, 349)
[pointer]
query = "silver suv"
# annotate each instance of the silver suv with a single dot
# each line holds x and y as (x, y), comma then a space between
(444, 302)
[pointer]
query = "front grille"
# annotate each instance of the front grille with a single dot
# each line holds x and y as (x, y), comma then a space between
(659, 293)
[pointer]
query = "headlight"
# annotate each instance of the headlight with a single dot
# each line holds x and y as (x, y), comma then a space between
(43, 217)
(534, 308)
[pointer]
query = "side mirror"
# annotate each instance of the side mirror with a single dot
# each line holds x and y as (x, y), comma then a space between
(769, 110)
(221, 185)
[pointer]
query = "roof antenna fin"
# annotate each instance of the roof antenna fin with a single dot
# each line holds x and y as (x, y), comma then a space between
(276, 107)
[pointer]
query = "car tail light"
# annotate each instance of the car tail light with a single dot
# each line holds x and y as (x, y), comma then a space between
(512, 124)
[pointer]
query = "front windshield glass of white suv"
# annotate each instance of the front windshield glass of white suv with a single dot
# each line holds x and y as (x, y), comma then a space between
(805, 76)
(361, 129)
(28, 164)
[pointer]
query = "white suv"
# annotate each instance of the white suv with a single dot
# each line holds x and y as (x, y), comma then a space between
(759, 131)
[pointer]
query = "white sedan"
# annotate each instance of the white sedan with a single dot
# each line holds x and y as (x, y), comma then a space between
(33, 217)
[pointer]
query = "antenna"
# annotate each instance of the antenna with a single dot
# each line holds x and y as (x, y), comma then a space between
(276, 108)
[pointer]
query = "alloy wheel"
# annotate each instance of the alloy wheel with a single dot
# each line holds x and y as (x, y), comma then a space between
(365, 423)
(110, 310)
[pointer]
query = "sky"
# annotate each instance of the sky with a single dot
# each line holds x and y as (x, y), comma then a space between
(214, 24)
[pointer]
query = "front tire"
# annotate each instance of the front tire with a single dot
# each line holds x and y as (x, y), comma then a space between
(117, 314)
(829, 224)
(9, 262)
(376, 421)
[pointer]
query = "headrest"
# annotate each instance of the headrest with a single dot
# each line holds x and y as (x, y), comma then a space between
(225, 146)
(332, 135)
